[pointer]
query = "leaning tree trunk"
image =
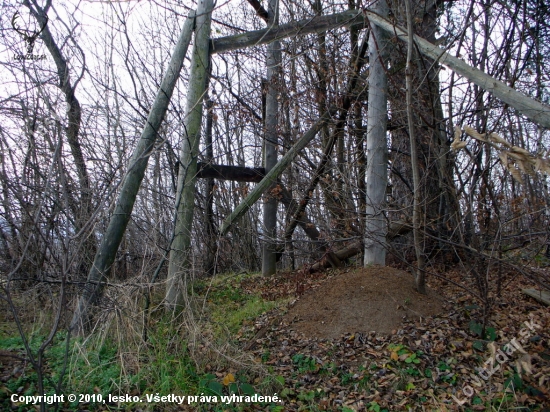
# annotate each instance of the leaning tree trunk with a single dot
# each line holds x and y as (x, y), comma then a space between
(130, 187)
(377, 151)
(180, 249)
(269, 256)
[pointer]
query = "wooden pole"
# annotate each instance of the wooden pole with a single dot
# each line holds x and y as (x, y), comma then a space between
(273, 174)
(377, 145)
(179, 264)
(312, 25)
(269, 258)
(110, 243)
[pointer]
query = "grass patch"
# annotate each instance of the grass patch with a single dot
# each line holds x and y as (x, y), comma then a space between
(233, 317)
(90, 370)
(229, 306)
(115, 360)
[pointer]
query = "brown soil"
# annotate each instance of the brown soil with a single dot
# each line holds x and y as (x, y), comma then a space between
(361, 300)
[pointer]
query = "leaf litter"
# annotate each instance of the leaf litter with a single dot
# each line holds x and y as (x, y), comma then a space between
(361, 339)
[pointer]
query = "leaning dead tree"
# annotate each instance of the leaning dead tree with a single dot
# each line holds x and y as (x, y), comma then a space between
(179, 259)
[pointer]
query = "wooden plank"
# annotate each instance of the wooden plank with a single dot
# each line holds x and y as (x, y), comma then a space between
(540, 295)
(234, 173)
(313, 25)
(531, 108)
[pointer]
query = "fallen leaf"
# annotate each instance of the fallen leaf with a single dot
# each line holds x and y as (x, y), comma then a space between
(229, 378)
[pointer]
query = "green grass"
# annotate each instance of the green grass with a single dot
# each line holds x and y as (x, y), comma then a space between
(229, 306)
(94, 371)
(232, 316)
(116, 361)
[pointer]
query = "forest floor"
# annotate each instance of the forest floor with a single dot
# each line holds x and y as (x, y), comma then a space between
(363, 339)
(355, 339)
(361, 300)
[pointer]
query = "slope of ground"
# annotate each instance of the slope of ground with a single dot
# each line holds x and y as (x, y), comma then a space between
(336, 352)
(361, 300)
(350, 340)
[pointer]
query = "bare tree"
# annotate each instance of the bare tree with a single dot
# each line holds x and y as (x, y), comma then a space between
(125, 203)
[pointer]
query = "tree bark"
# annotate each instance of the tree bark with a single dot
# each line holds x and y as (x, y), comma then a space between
(377, 151)
(417, 211)
(211, 243)
(132, 181)
(180, 249)
(269, 258)
(358, 131)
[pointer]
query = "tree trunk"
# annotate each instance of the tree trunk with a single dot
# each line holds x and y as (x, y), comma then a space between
(358, 131)
(420, 152)
(377, 152)
(269, 258)
(417, 211)
(82, 209)
(211, 243)
(180, 249)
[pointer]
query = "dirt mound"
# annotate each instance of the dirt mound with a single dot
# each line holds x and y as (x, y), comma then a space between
(361, 300)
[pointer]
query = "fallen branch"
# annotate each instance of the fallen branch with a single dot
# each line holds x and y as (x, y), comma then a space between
(398, 228)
